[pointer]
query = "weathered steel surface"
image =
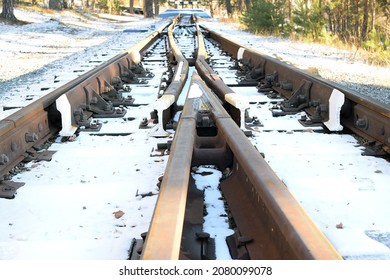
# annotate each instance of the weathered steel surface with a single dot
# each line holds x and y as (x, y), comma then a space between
(366, 117)
(269, 222)
(262, 207)
(35, 123)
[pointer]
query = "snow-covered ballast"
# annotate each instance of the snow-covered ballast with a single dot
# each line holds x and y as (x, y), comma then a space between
(327, 103)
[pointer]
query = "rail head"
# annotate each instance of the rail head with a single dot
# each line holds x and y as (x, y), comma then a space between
(165, 233)
(327, 103)
(289, 221)
(23, 130)
(286, 220)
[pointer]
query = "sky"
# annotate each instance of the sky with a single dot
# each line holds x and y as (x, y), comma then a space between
(68, 204)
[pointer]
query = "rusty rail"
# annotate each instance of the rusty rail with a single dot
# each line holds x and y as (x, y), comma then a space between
(326, 102)
(270, 224)
(169, 212)
(260, 203)
(262, 207)
(168, 100)
(66, 108)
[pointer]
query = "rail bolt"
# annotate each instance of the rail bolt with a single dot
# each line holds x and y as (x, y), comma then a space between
(14, 146)
(40, 127)
(3, 159)
(31, 137)
(362, 123)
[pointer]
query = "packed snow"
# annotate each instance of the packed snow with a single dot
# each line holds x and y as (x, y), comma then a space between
(70, 214)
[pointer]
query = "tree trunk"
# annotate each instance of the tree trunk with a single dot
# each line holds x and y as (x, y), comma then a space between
(373, 4)
(345, 18)
(356, 31)
(229, 8)
(248, 4)
(365, 21)
(55, 4)
(239, 6)
(148, 8)
(131, 7)
(156, 7)
(330, 19)
(8, 10)
(109, 6)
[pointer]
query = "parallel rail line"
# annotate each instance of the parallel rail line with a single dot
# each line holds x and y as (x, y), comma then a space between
(326, 102)
(269, 222)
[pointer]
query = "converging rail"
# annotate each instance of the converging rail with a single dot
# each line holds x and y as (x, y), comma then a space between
(266, 220)
(97, 93)
(270, 223)
(327, 103)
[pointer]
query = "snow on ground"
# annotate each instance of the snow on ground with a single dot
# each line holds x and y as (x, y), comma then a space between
(341, 66)
(49, 38)
(70, 214)
(54, 47)
(215, 221)
(345, 194)
(350, 206)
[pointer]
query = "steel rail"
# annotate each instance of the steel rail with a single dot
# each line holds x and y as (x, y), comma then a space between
(168, 216)
(213, 80)
(278, 226)
(326, 102)
(164, 236)
(275, 212)
(167, 102)
(30, 126)
(206, 72)
(261, 204)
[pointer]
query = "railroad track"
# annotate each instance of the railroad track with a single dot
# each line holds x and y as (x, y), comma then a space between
(266, 221)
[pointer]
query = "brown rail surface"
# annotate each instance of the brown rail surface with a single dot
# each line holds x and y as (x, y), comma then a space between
(22, 133)
(270, 223)
(262, 207)
(363, 115)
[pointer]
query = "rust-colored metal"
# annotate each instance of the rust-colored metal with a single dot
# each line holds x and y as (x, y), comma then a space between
(206, 72)
(270, 222)
(169, 213)
(263, 209)
(20, 132)
(262, 206)
(366, 117)
(36, 122)
(181, 68)
(165, 232)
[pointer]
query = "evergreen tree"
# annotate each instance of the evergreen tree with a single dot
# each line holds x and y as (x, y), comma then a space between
(265, 16)
(308, 19)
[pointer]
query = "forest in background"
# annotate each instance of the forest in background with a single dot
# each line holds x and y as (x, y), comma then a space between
(359, 24)
(362, 24)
